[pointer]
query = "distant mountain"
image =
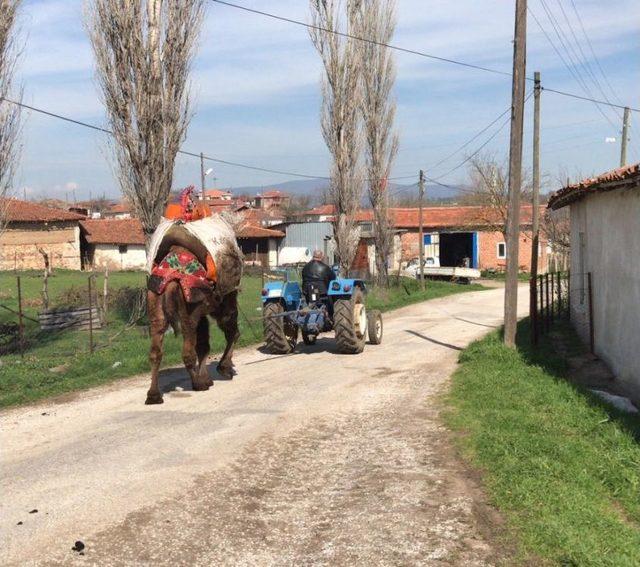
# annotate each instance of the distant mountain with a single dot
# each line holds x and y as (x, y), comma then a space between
(313, 187)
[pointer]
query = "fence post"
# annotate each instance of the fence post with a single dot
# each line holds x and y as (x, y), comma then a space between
(90, 316)
(540, 306)
(533, 309)
(559, 288)
(569, 293)
(20, 321)
(546, 293)
(591, 325)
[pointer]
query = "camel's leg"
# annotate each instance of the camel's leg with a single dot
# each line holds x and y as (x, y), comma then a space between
(157, 327)
(189, 325)
(227, 318)
(202, 349)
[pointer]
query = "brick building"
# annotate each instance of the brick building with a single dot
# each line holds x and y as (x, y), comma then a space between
(455, 233)
(33, 229)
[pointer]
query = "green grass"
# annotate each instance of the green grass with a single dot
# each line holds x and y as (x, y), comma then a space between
(501, 276)
(408, 291)
(562, 466)
(30, 379)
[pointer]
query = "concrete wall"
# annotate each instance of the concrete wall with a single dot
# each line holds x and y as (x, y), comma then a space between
(20, 242)
(605, 241)
(135, 258)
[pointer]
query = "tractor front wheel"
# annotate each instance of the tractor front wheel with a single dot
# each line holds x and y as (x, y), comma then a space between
(309, 339)
(280, 334)
(374, 327)
(350, 323)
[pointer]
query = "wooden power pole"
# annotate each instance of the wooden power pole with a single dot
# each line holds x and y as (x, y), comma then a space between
(515, 174)
(421, 228)
(202, 175)
(625, 137)
(535, 212)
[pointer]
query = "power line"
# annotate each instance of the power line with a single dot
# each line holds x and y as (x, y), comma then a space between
(183, 152)
(571, 67)
(595, 57)
(364, 39)
(564, 93)
(584, 61)
(402, 49)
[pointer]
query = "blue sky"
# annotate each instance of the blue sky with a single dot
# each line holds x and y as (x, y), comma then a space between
(256, 89)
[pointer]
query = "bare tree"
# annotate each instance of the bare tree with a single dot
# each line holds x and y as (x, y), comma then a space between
(378, 111)
(9, 113)
(340, 115)
(144, 50)
(489, 189)
(556, 228)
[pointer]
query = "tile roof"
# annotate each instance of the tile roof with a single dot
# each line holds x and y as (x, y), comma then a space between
(118, 208)
(26, 211)
(112, 231)
(614, 179)
(435, 217)
(273, 194)
(253, 231)
(216, 193)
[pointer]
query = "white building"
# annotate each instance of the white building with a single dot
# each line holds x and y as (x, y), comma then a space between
(114, 243)
(605, 242)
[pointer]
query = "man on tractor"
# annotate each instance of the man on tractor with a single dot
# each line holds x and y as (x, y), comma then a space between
(316, 277)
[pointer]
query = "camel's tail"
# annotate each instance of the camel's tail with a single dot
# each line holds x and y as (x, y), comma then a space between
(171, 299)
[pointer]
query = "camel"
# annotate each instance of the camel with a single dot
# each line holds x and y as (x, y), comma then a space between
(188, 309)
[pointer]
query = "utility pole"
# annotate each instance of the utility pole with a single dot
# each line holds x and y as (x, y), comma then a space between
(202, 175)
(515, 174)
(625, 136)
(421, 228)
(535, 212)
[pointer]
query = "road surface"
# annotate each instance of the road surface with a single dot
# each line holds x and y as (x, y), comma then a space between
(311, 458)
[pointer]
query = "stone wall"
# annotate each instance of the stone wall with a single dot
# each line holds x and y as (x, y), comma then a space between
(19, 246)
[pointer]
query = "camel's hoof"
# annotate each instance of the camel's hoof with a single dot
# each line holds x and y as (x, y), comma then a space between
(202, 386)
(153, 399)
(227, 372)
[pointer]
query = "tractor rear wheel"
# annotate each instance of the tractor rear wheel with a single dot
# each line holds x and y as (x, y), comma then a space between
(280, 335)
(374, 327)
(350, 323)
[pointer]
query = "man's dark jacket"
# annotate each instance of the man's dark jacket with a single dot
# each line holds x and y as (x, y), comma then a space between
(318, 274)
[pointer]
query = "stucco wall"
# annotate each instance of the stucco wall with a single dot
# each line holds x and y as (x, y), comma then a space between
(135, 258)
(610, 250)
(19, 246)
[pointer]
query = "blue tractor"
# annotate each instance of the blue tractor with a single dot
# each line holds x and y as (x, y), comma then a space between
(288, 311)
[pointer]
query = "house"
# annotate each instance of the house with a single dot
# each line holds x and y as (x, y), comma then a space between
(605, 242)
(455, 235)
(273, 199)
(120, 210)
(259, 245)
(34, 230)
(117, 244)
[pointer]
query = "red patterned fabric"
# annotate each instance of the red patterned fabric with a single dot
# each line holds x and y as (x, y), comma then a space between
(184, 268)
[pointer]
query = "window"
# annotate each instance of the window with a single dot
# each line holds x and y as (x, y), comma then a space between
(502, 250)
(122, 248)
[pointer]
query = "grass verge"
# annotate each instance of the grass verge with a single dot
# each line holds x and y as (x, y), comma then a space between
(57, 363)
(562, 466)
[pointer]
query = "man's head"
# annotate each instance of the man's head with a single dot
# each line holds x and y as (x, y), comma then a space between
(318, 255)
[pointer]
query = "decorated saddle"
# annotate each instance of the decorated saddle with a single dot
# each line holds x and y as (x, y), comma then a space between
(184, 268)
(201, 239)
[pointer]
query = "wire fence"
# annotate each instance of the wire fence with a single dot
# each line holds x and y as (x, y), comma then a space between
(91, 316)
(551, 299)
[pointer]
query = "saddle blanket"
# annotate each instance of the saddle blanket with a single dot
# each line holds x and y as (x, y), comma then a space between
(184, 268)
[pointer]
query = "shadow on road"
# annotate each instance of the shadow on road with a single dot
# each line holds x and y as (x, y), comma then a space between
(434, 341)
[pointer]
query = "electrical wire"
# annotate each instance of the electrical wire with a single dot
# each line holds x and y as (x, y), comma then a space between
(404, 50)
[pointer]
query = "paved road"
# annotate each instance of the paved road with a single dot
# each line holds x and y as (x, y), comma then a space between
(311, 458)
